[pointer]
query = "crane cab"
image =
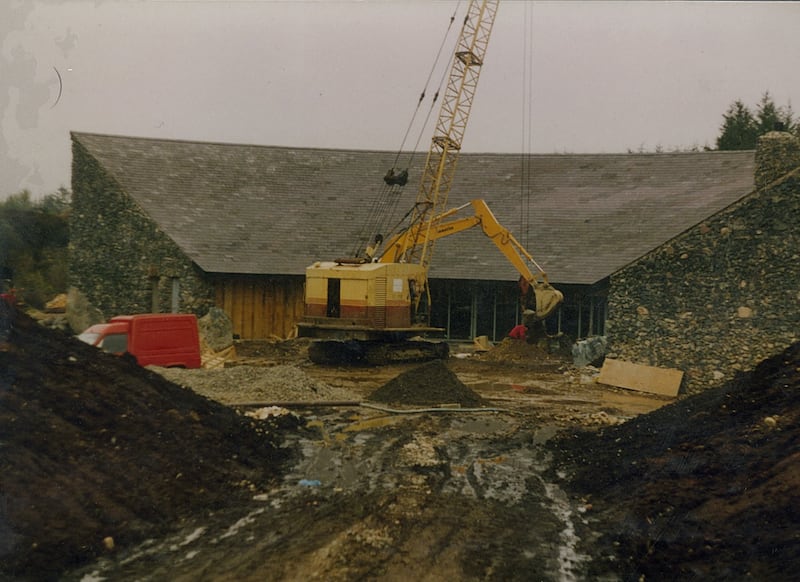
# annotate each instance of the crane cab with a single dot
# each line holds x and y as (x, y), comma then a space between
(362, 301)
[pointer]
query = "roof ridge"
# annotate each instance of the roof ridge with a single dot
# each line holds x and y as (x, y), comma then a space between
(387, 151)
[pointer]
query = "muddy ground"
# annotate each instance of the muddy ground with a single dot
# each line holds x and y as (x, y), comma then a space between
(522, 468)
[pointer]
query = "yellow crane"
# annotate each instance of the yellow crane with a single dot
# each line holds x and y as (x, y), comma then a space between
(378, 301)
(540, 298)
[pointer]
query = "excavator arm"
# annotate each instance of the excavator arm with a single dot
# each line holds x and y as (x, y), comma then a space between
(547, 298)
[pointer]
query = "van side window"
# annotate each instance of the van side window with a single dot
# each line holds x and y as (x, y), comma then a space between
(115, 343)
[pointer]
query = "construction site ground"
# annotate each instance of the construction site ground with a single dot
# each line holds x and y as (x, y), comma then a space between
(510, 464)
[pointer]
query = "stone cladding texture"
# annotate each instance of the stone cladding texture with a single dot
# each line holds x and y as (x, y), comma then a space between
(118, 255)
(725, 294)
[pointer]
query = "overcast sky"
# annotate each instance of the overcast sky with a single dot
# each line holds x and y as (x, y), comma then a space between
(584, 77)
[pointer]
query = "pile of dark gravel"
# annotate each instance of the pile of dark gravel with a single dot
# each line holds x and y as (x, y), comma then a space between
(431, 383)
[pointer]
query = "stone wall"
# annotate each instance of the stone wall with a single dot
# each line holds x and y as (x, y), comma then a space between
(778, 153)
(725, 294)
(119, 259)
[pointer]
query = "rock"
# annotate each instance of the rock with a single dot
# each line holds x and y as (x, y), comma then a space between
(57, 304)
(589, 351)
(216, 329)
(80, 313)
(744, 312)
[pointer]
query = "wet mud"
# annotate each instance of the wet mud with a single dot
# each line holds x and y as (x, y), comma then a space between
(111, 472)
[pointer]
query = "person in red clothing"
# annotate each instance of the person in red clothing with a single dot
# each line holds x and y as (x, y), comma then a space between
(518, 332)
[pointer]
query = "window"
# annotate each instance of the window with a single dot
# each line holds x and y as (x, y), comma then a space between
(115, 343)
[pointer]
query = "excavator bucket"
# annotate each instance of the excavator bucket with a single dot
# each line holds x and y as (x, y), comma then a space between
(547, 300)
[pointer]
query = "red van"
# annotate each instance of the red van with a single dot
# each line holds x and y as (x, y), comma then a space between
(170, 340)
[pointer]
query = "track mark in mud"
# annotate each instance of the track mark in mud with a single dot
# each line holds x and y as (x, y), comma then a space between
(411, 498)
(568, 555)
(190, 538)
(241, 523)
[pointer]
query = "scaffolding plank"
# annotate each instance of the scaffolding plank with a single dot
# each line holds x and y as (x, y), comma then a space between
(663, 381)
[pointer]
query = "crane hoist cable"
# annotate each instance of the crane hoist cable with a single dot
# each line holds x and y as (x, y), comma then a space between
(395, 200)
(422, 130)
(443, 154)
(425, 87)
(526, 170)
(372, 224)
(385, 204)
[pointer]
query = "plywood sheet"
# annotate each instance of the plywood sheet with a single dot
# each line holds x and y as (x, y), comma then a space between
(664, 381)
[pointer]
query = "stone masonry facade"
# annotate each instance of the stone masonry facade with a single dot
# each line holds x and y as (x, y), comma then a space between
(725, 294)
(120, 261)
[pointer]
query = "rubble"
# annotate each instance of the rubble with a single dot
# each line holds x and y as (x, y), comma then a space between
(256, 384)
(588, 351)
(516, 351)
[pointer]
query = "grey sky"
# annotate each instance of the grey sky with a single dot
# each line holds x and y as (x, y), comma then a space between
(606, 76)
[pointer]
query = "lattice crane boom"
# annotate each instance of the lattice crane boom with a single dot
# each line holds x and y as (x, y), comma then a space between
(440, 165)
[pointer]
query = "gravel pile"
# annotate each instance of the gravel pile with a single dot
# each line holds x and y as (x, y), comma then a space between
(247, 384)
(431, 383)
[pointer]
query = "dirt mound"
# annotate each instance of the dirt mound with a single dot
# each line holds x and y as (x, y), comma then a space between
(706, 488)
(521, 352)
(430, 383)
(96, 448)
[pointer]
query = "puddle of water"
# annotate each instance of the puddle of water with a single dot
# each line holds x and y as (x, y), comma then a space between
(373, 423)
(483, 425)
(190, 538)
(569, 559)
(544, 434)
(530, 388)
(501, 477)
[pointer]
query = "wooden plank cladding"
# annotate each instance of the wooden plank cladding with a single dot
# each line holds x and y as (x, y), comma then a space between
(261, 307)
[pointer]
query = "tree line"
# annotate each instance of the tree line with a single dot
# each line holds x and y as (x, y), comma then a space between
(34, 236)
(741, 127)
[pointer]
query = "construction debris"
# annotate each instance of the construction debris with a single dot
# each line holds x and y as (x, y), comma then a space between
(248, 384)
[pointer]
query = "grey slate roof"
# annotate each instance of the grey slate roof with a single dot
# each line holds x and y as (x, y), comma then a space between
(274, 210)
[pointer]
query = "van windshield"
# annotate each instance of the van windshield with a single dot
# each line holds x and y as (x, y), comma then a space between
(89, 337)
(115, 343)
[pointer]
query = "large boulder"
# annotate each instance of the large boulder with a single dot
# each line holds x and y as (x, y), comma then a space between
(216, 329)
(80, 312)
